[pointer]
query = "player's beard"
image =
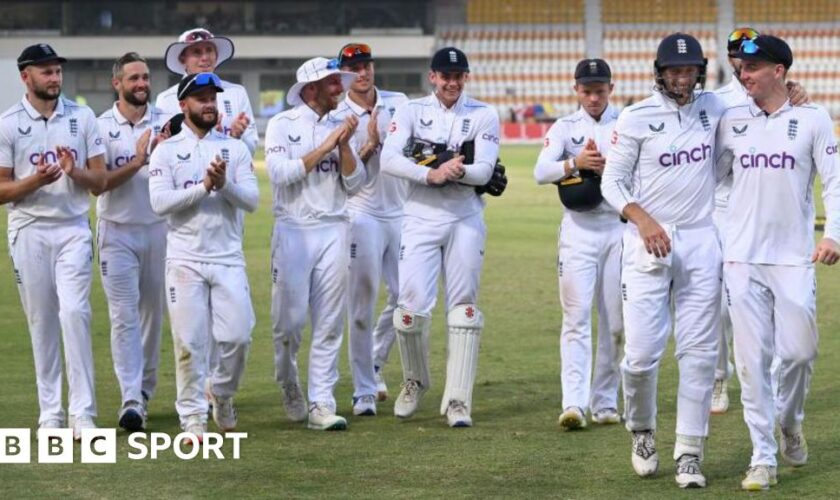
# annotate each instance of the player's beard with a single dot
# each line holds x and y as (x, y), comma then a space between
(132, 99)
(47, 93)
(200, 122)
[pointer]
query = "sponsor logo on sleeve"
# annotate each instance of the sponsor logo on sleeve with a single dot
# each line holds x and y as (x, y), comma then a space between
(490, 137)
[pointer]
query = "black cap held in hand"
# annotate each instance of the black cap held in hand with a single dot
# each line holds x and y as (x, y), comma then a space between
(593, 70)
(37, 54)
(450, 59)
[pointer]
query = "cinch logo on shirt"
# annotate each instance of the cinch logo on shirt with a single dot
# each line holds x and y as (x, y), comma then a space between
(121, 160)
(328, 165)
(778, 160)
(274, 149)
(193, 182)
(831, 150)
(701, 152)
(50, 157)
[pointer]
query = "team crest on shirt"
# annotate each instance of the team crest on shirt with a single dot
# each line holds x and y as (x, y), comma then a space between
(74, 127)
(226, 155)
(465, 126)
(425, 124)
(577, 142)
(391, 111)
(156, 130)
(793, 125)
(294, 140)
(114, 136)
(657, 129)
(25, 132)
(704, 120)
(740, 132)
(186, 157)
(228, 108)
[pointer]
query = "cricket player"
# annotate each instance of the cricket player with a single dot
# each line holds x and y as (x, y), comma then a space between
(732, 94)
(196, 51)
(589, 249)
(775, 151)
(443, 227)
(660, 176)
(132, 238)
(203, 182)
(313, 166)
(51, 156)
(375, 217)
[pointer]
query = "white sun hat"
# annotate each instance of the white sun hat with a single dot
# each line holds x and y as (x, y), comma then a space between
(224, 48)
(314, 70)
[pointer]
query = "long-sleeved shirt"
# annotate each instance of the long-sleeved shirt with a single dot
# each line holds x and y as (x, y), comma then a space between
(302, 197)
(382, 196)
(566, 139)
(129, 202)
(231, 102)
(662, 158)
(774, 160)
(429, 120)
(203, 227)
(732, 94)
(26, 136)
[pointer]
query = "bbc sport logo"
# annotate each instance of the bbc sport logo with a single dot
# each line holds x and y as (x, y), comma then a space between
(99, 446)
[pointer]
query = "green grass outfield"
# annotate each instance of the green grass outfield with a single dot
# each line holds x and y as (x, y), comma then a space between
(515, 448)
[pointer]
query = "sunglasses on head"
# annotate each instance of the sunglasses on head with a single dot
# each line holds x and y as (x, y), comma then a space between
(198, 35)
(200, 80)
(743, 34)
(332, 64)
(355, 50)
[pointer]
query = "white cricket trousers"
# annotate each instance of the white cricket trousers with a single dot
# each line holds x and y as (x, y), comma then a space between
(309, 266)
(589, 270)
(207, 302)
(426, 246)
(724, 368)
(132, 266)
(53, 268)
(774, 312)
(374, 253)
(692, 281)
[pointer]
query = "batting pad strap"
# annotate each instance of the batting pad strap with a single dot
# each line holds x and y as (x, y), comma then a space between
(465, 316)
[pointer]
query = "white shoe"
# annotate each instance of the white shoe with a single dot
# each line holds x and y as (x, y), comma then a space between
(409, 399)
(793, 447)
(572, 419)
(79, 423)
(720, 397)
(759, 477)
(644, 457)
(53, 423)
(294, 402)
(364, 406)
(606, 416)
(688, 472)
(132, 416)
(323, 418)
(195, 424)
(381, 387)
(224, 413)
(457, 414)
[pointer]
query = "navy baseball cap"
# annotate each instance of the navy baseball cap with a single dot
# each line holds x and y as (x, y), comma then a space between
(766, 48)
(197, 82)
(355, 53)
(37, 54)
(450, 59)
(593, 70)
